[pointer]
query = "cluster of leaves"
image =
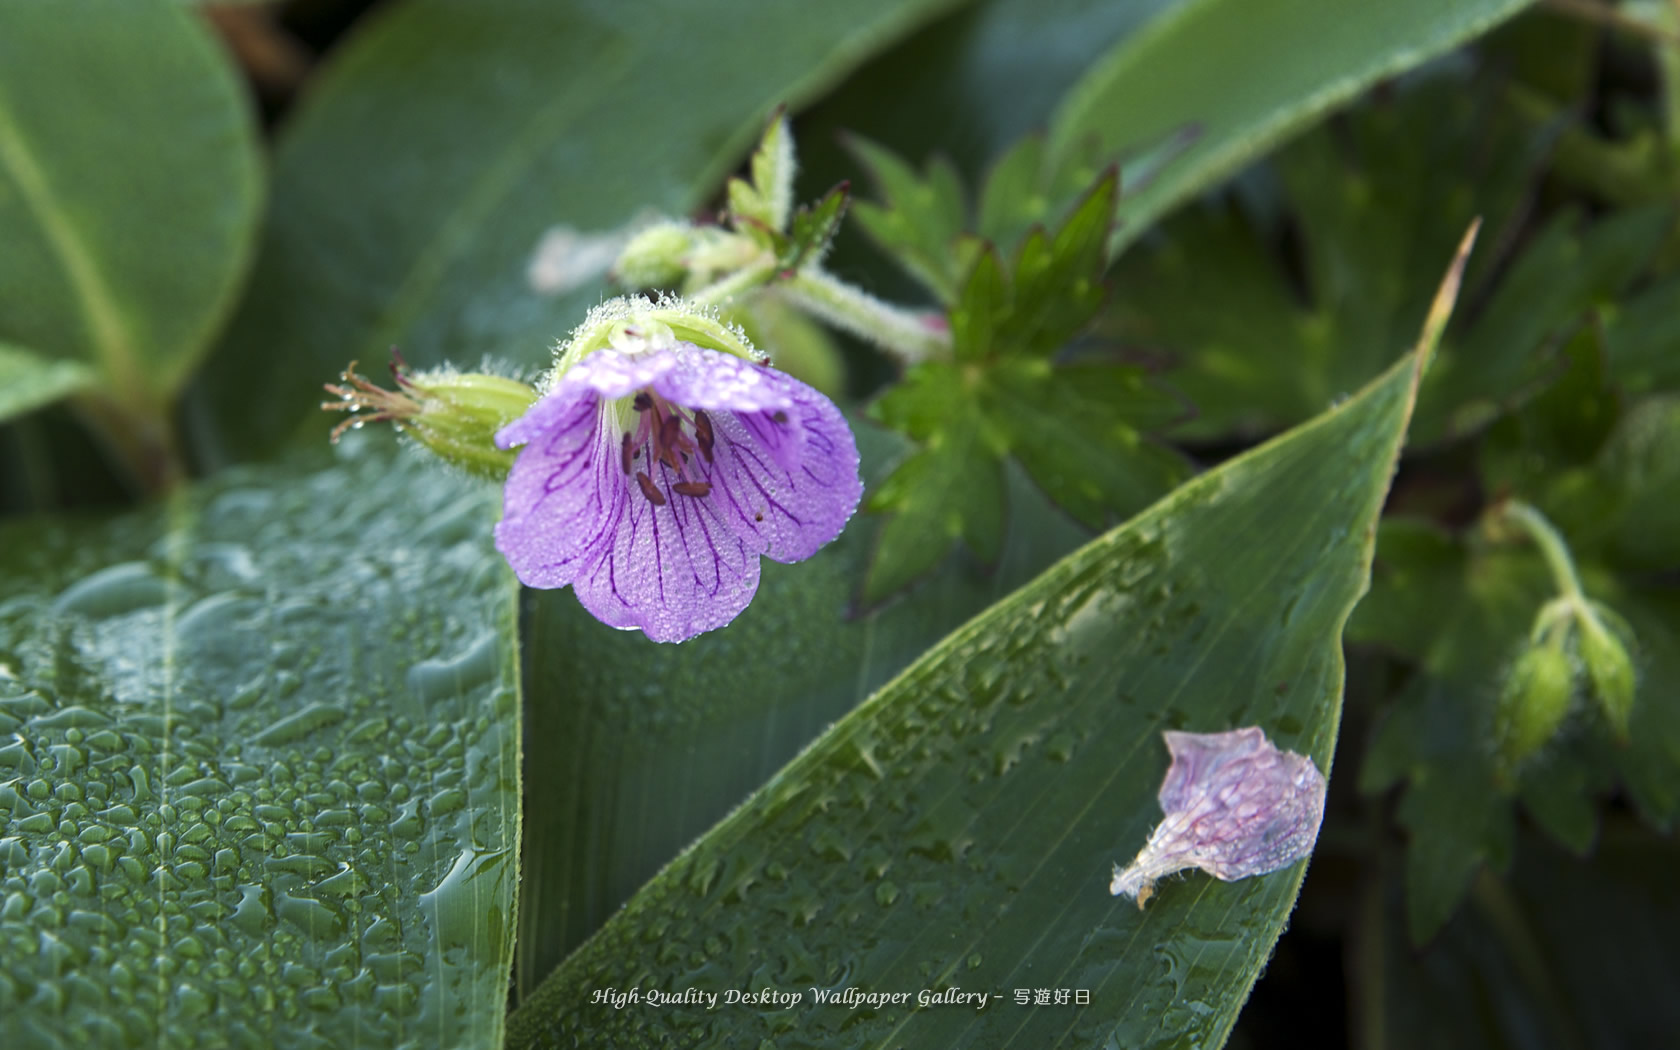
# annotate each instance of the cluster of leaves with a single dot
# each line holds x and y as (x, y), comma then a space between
(1556, 388)
(260, 781)
(1016, 297)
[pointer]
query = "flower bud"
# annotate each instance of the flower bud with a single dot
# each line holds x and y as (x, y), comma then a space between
(657, 257)
(453, 414)
(1609, 665)
(1533, 701)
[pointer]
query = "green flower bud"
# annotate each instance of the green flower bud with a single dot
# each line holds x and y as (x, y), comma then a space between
(453, 414)
(657, 257)
(1604, 649)
(1533, 701)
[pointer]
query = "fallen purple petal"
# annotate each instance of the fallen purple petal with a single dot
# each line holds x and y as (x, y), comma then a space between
(1234, 806)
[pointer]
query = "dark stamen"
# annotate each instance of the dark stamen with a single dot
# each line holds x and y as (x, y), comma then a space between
(670, 432)
(642, 402)
(654, 496)
(625, 452)
(691, 488)
(703, 433)
(779, 416)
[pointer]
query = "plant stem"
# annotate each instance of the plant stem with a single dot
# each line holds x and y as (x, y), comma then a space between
(141, 441)
(1552, 547)
(894, 329)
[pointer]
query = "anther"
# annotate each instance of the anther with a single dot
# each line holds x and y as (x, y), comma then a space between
(642, 402)
(670, 432)
(624, 452)
(654, 496)
(703, 433)
(779, 416)
(691, 488)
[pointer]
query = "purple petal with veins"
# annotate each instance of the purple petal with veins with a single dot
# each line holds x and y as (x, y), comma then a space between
(727, 460)
(1234, 806)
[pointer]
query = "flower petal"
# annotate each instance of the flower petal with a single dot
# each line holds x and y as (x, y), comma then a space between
(716, 381)
(673, 570)
(566, 492)
(614, 373)
(785, 470)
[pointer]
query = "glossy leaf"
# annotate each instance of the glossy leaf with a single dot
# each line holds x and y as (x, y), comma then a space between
(647, 747)
(414, 184)
(959, 828)
(129, 190)
(1209, 69)
(261, 785)
(29, 381)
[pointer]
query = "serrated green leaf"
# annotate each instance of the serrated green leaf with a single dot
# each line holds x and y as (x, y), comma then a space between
(813, 228)
(948, 491)
(413, 186)
(959, 828)
(983, 309)
(1211, 66)
(126, 239)
(29, 381)
(262, 781)
(1563, 274)
(1078, 429)
(919, 219)
(1057, 282)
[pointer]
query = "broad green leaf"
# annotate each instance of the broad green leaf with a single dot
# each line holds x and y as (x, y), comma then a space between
(1211, 68)
(261, 785)
(648, 746)
(958, 828)
(29, 381)
(413, 186)
(129, 190)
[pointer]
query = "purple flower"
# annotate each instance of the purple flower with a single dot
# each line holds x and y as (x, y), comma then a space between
(652, 480)
(1234, 806)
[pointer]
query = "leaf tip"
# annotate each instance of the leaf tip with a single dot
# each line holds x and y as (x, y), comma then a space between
(1440, 310)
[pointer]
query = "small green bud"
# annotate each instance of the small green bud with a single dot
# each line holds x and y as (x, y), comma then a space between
(453, 414)
(1533, 701)
(1604, 649)
(657, 257)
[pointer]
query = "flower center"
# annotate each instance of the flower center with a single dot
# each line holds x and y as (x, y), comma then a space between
(667, 434)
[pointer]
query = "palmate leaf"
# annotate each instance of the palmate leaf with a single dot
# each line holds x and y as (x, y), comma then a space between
(261, 783)
(958, 829)
(1075, 427)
